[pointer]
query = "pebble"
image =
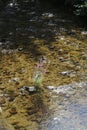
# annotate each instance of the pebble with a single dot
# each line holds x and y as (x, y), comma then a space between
(32, 89)
(61, 59)
(28, 89)
(62, 38)
(50, 87)
(65, 73)
(13, 111)
(55, 118)
(67, 96)
(1, 43)
(52, 47)
(5, 51)
(2, 87)
(20, 49)
(49, 15)
(14, 80)
(84, 33)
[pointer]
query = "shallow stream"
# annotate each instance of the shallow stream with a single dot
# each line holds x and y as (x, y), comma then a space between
(28, 32)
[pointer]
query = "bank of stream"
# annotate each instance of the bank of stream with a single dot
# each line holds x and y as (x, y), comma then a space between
(26, 34)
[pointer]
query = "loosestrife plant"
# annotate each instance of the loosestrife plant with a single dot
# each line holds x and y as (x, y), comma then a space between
(39, 71)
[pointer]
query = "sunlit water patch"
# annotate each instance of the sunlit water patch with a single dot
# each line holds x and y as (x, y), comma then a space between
(69, 109)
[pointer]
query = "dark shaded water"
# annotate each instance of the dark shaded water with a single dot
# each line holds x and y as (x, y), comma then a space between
(22, 22)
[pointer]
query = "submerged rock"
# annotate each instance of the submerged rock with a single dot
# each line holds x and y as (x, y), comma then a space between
(65, 73)
(49, 15)
(84, 33)
(14, 80)
(68, 73)
(20, 49)
(68, 89)
(30, 89)
(13, 110)
(50, 87)
(7, 51)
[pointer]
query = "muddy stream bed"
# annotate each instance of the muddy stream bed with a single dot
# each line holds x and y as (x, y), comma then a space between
(26, 34)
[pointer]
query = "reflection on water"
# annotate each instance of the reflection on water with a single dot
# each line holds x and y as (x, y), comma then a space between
(28, 31)
(70, 109)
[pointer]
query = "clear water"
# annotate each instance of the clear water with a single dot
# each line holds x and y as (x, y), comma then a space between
(28, 31)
